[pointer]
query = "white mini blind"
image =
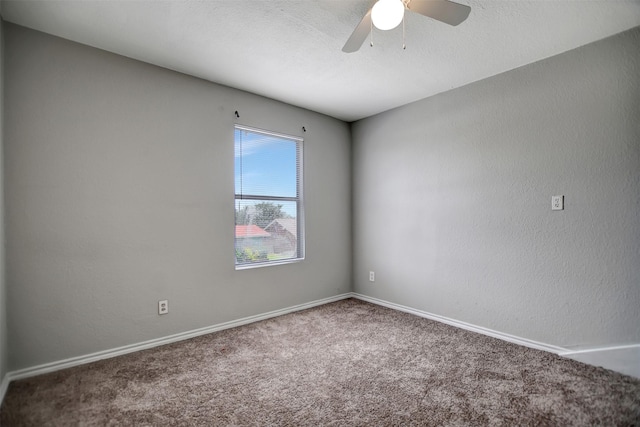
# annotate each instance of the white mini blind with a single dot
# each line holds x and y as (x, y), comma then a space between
(268, 194)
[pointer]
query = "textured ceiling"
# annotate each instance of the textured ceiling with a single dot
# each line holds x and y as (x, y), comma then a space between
(291, 50)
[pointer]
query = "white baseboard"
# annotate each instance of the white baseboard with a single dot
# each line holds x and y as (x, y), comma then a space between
(623, 358)
(463, 325)
(106, 354)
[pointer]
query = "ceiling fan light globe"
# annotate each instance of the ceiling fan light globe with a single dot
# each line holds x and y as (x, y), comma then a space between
(387, 14)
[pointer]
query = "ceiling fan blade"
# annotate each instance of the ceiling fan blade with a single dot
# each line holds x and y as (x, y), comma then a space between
(442, 10)
(359, 35)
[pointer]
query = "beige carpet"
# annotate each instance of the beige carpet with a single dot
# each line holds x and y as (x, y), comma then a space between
(348, 363)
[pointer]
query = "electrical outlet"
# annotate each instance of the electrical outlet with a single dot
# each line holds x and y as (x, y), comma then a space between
(557, 203)
(163, 307)
(372, 276)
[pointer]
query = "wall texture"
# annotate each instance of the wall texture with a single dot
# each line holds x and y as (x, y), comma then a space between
(119, 193)
(452, 200)
(3, 305)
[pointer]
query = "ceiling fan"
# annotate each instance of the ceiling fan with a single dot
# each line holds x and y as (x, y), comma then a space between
(388, 14)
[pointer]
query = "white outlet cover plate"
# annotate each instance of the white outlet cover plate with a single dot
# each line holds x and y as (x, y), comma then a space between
(557, 203)
(163, 307)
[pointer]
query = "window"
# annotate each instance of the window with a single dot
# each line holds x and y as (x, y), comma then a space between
(268, 202)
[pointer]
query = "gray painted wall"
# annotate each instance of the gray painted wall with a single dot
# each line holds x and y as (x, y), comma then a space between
(452, 200)
(3, 305)
(119, 193)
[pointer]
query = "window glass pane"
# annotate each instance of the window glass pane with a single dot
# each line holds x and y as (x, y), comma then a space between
(266, 231)
(268, 197)
(265, 165)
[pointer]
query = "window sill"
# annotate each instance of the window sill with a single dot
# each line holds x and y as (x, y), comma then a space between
(267, 264)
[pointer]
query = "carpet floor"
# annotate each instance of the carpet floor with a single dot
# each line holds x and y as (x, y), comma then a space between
(348, 363)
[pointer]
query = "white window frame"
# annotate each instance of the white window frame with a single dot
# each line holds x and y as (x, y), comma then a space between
(298, 199)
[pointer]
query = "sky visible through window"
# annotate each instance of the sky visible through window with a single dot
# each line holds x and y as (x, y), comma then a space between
(265, 165)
